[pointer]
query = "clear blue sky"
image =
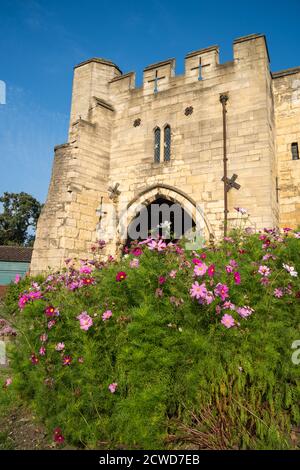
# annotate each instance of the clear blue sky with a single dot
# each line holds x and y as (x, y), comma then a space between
(41, 41)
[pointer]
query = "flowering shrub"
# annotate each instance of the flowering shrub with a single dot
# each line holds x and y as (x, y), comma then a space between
(128, 353)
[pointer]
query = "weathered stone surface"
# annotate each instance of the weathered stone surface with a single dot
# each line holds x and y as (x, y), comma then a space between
(105, 147)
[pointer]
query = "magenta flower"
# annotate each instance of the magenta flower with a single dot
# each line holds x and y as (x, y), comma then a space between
(85, 321)
(121, 276)
(106, 315)
(227, 320)
(67, 360)
(112, 387)
(57, 436)
(34, 359)
(200, 269)
(51, 311)
(222, 291)
(161, 280)
(229, 269)
(137, 251)
(17, 278)
(211, 270)
(60, 347)
(23, 301)
(85, 270)
(237, 277)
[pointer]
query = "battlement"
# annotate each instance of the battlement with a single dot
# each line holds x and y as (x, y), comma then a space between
(200, 65)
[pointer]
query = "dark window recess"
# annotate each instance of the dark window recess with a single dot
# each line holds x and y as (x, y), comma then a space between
(167, 144)
(157, 145)
(295, 151)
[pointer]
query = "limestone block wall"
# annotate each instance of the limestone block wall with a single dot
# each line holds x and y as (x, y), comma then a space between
(111, 140)
(197, 145)
(286, 86)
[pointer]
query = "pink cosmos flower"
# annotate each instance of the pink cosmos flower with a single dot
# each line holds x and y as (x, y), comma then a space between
(209, 298)
(211, 270)
(85, 321)
(106, 315)
(161, 280)
(264, 281)
(44, 338)
(67, 360)
(200, 269)
(121, 276)
(218, 309)
(134, 263)
(297, 234)
(42, 351)
(229, 269)
(241, 210)
(227, 320)
(51, 324)
(290, 270)
(245, 311)
(34, 359)
(222, 291)
(7, 382)
(60, 347)
(196, 261)
(233, 263)
(80, 360)
(264, 271)
(227, 305)
(113, 387)
(198, 291)
(17, 278)
(237, 277)
(173, 273)
(278, 292)
(159, 292)
(268, 256)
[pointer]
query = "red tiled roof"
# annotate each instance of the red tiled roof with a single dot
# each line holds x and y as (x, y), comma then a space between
(15, 253)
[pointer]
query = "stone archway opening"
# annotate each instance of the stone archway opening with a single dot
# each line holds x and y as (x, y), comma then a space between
(160, 218)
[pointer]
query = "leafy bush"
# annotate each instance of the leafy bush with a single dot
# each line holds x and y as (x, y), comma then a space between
(166, 347)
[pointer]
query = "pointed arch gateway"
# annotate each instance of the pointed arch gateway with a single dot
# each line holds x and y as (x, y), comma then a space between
(191, 213)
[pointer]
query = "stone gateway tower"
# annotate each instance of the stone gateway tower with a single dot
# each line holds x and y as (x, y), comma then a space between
(130, 146)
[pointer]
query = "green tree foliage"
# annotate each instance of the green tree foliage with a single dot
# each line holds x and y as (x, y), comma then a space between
(20, 212)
